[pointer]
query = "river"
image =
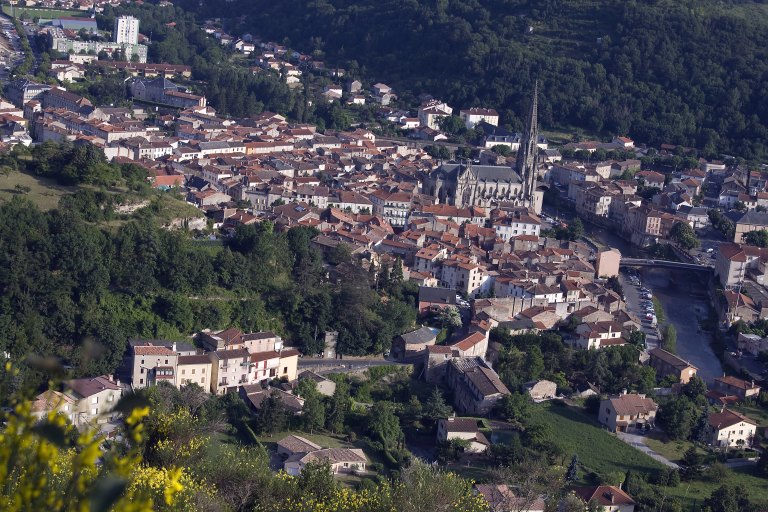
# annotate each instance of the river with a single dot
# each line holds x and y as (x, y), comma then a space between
(685, 300)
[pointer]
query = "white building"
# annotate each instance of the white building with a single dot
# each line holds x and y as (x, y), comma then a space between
(126, 30)
(473, 116)
(731, 429)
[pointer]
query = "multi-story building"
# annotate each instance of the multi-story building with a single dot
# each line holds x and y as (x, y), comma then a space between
(230, 370)
(626, 411)
(476, 388)
(733, 386)
(518, 222)
(126, 30)
(195, 369)
(94, 399)
(735, 262)
(393, 207)
(19, 92)
(731, 429)
(473, 116)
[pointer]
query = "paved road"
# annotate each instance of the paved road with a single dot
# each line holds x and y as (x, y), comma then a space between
(632, 299)
(638, 442)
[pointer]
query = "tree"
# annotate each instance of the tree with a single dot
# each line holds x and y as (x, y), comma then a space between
(684, 235)
(449, 316)
(677, 417)
(572, 473)
(338, 408)
(313, 412)
(272, 415)
(637, 338)
(435, 407)
(515, 407)
(575, 229)
(384, 426)
(502, 149)
(423, 487)
(695, 389)
(670, 338)
(757, 238)
(316, 479)
(728, 499)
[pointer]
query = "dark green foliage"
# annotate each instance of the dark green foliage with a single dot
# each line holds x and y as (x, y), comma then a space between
(757, 238)
(721, 223)
(661, 71)
(728, 499)
(272, 416)
(436, 408)
(684, 235)
(677, 417)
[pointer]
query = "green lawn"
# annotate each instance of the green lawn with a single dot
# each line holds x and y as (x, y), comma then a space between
(577, 432)
(44, 193)
(693, 493)
(672, 450)
(33, 12)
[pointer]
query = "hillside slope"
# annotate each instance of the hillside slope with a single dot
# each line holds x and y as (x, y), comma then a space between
(690, 72)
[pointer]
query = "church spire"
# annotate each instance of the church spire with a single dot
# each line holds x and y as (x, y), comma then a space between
(528, 151)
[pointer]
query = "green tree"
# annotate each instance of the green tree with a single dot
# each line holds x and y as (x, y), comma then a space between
(449, 316)
(677, 417)
(384, 426)
(670, 338)
(728, 499)
(684, 235)
(757, 238)
(515, 407)
(313, 412)
(272, 415)
(435, 406)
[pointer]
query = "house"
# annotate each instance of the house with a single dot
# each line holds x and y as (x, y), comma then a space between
(749, 221)
(414, 341)
(342, 460)
(626, 411)
(597, 335)
(325, 387)
(254, 395)
(464, 429)
(153, 363)
(473, 116)
(195, 369)
(292, 444)
(541, 389)
(731, 429)
(94, 399)
(607, 498)
(733, 386)
(476, 387)
(666, 364)
(433, 299)
(230, 369)
(501, 498)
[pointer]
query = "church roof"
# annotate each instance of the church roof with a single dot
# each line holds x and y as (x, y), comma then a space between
(452, 170)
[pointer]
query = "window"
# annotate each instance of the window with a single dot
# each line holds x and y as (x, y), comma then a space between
(142, 370)
(111, 398)
(141, 381)
(142, 361)
(346, 464)
(183, 371)
(285, 369)
(202, 380)
(94, 411)
(166, 361)
(95, 400)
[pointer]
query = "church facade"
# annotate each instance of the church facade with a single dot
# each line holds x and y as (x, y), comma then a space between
(464, 183)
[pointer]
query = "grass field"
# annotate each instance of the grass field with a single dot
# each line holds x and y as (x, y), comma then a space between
(44, 193)
(33, 12)
(672, 450)
(577, 432)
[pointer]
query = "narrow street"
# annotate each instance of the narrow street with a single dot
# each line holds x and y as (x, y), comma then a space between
(638, 442)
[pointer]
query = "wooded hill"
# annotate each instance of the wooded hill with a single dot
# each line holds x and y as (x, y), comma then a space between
(691, 72)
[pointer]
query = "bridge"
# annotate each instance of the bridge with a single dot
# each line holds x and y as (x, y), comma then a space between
(678, 265)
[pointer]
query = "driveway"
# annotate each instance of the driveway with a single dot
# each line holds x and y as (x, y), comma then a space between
(638, 442)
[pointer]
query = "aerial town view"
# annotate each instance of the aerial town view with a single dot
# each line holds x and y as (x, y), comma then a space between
(392, 256)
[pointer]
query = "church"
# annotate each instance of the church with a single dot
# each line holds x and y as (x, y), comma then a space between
(466, 184)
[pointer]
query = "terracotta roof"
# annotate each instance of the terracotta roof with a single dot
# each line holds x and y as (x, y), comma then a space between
(264, 356)
(152, 350)
(632, 404)
(469, 342)
(604, 495)
(297, 444)
(727, 418)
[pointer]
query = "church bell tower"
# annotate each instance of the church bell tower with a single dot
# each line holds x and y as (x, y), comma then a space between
(527, 153)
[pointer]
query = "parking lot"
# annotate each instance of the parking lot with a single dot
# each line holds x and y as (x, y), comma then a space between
(635, 296)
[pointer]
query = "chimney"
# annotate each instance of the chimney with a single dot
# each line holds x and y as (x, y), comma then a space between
(109, 377)
(174, 346)
(623, 392)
